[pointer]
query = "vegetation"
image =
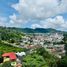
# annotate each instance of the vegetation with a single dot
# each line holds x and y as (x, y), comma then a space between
(7, 64)
(40, 59)
(34, 61)
(65, 41)
(63, 61)
(28, 30)
(9, 48)
(10, 34)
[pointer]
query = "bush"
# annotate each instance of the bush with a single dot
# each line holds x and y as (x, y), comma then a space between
(6, 64)
(62, 62)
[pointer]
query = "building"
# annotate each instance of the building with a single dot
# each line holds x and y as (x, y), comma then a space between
(10, 57)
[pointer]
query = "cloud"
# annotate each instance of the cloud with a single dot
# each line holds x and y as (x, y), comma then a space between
(40, 9)
(8, 23)
(56, 23)
(3, 21)
(15, 19)
(35, 26)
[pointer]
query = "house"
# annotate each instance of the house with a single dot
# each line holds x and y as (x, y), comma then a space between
(20, 53)
(10, 57)
(19, 58)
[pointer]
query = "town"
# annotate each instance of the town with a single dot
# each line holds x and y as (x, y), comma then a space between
(51, 42)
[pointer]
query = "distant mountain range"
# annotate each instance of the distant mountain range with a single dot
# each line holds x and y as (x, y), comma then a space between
(39, 30)
(30, 30)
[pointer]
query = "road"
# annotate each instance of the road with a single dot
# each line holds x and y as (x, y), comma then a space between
(12, 44)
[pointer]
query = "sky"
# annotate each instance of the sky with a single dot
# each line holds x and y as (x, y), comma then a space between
(34, 14)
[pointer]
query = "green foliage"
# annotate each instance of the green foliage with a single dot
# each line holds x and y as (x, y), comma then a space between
(6, 64)
(65, 42)
(10, 33)
(34, 61)
(65, 38)
(28, 30)
(0, 65)
(1, 54)
(12, 41)
(40, 59)
(49, 58)
(9, 48)
(41, 51)
(62, 62)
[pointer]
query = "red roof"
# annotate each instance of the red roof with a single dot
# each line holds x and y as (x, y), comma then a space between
(11, 55)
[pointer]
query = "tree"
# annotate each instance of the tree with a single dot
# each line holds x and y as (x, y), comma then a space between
(6, 64)
(41, 51)
(1, 58)
(12, 41)
(34, 61)
(65, 42)
(41, 58)
(62, 62)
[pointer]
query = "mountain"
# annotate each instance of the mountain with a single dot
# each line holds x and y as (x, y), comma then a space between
(30, 30)
(39, 30)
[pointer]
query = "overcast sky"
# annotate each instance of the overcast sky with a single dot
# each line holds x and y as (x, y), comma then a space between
(34, 13)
